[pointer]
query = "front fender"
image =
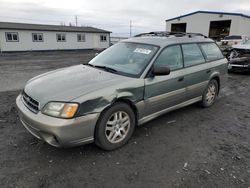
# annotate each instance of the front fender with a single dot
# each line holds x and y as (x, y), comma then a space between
(100, 100)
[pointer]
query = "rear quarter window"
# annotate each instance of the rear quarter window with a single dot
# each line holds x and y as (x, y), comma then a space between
(211, 51)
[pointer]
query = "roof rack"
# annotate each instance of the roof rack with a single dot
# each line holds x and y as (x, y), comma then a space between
(168, 34)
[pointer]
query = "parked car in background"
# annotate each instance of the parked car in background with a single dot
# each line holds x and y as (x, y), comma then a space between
(128, 84)
(228, 41)
(240, 50)
(239, 57)
(239, 64)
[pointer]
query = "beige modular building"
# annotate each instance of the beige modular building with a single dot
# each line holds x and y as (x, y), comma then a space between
(37, 37)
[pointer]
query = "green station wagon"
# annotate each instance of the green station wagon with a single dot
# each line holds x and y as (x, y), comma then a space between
(126, 85)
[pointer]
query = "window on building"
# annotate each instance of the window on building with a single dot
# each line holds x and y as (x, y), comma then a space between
(170, 57)
(192, 55)
(103, 38)
(11, 37)
(37, 37)
(81, 37)
(211, 51)
(61, 37)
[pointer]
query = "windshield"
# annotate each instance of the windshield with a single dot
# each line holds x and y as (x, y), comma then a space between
(247, 42)
(129, 59)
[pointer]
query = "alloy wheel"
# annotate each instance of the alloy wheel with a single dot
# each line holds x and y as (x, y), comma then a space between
(117, 127)
(211, 93)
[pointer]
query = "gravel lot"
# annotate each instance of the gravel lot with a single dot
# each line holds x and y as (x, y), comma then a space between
(190, 147)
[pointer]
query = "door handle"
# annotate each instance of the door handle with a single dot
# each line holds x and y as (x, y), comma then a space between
(180, 79)
(208, 71)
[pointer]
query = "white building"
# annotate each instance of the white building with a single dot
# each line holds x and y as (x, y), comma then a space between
(215, 25)
(34, 37)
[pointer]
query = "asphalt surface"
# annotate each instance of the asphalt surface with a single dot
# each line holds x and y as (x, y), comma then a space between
(17, 68)
(190, 147)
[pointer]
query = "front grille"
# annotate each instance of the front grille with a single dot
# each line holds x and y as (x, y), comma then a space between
(243, 51)
(30, 103)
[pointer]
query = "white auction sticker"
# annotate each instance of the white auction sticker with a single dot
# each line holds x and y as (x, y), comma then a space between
(142, 51)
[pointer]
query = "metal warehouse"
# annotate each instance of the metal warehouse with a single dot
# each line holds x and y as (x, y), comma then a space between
(215, 25)
(34, 37)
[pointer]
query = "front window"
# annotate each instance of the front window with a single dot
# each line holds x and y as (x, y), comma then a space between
(170, 57)
(129, 59)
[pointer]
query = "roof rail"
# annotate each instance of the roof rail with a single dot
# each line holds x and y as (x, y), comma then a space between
(168, 34)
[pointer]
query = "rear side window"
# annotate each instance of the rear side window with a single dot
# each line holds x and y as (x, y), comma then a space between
(170, 57)
(192, 55)
(233, 37)
(211, 51)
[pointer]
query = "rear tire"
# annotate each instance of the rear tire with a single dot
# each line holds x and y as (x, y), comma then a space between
(115, 126)
(210, 94)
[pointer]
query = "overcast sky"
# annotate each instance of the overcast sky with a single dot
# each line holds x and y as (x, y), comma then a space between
(112, 15)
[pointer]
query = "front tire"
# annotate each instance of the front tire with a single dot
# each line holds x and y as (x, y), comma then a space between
(115, 126)
(210, 94)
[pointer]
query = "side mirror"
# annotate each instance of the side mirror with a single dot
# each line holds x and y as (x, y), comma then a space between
(160, 71)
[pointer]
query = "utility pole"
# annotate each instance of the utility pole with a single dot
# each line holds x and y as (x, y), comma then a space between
(76, 20)
(130, 26)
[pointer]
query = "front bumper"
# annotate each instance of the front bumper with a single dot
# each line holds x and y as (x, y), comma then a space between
(242, 63)
(55, 131)
(238, 66)
(230, 66)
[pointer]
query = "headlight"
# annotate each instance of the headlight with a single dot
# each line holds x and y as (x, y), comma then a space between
(60, 110)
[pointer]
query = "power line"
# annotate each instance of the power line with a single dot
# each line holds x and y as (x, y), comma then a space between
(76, 20)
(130, 30)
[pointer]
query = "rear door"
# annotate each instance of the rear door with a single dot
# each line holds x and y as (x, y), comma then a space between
(196, 69)
(162, 92)
(200, 61)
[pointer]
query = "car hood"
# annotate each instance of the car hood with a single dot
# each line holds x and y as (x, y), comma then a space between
(242, 46)
(70, 83)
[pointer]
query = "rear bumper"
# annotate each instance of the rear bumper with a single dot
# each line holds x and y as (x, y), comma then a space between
(55, 131)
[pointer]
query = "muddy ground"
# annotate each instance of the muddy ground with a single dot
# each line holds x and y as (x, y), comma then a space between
(190, 147)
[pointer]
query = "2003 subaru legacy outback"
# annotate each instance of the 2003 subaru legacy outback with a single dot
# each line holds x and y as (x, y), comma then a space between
(126, 85)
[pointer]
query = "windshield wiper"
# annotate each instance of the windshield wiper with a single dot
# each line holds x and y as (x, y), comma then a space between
(108, 69)
(89, 65)
(103, 67)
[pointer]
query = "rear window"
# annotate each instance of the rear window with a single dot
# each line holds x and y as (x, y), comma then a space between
(211, 51)
(192, 55)
(233, 37)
